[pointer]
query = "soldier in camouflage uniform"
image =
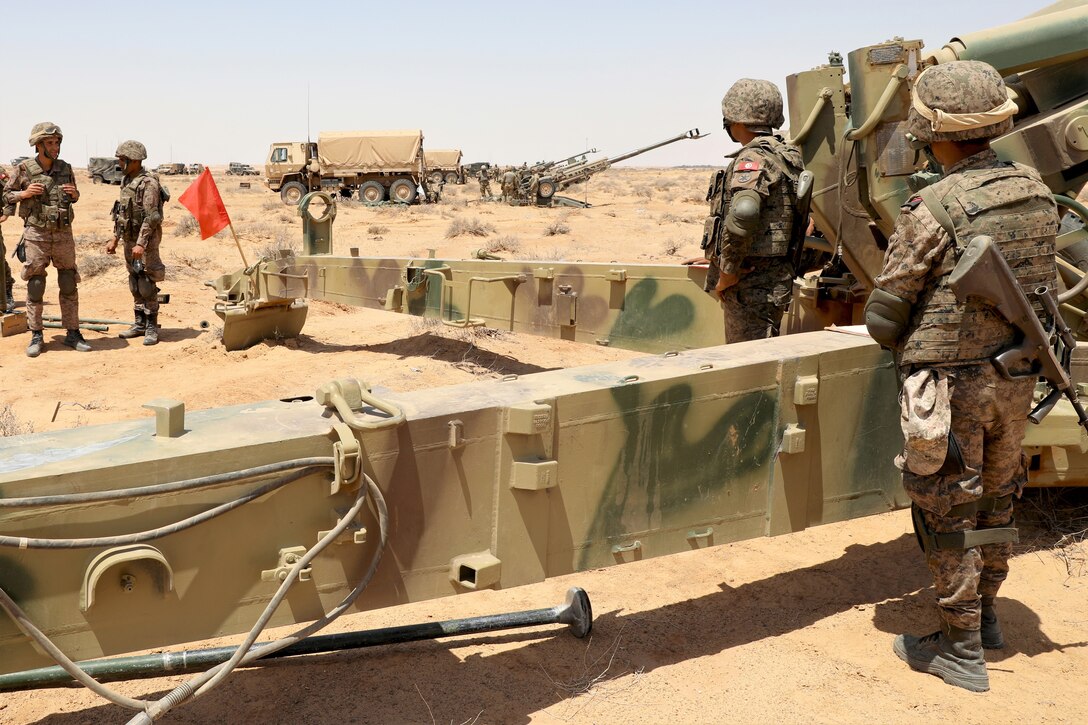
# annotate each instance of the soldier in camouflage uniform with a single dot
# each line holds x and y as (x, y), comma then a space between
(485, 182)
(749, 234)
(509, 182)
(137, 221)
(45, 189)
(963, 423)
(6, 211)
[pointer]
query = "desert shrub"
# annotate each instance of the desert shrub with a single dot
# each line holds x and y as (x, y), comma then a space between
(559, 226)
(10, 425)
(671, 248)
(473, 226)
(505, 243)
(377, 229)
(186, 226)
(643, 191)
(92, 265)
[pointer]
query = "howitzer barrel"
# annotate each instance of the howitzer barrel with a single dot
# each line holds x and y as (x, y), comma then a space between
(1046, 39)
(692, 134)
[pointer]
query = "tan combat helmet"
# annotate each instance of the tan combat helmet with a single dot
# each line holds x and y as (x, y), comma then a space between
(962, 100)
(131, 150)
(43, 130)
(755, 103)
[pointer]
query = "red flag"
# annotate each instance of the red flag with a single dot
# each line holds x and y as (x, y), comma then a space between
(203, 202)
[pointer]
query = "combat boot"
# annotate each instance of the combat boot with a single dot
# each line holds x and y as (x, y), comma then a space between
(951, 653)
(10, 306)
(74, 339)
(137, 328)
(34, 349)
(151, 336)
(991, 628)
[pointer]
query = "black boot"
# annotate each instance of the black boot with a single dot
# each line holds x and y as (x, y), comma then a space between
(991, 628)
(10, 306)
(137, 328)
(151, 335)
(951, 653)
(74, 339)
(34, 349)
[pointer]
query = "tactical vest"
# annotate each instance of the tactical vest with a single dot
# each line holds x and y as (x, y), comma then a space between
(1010, 204)
(128, 213)
(52, 209)
(776, 230)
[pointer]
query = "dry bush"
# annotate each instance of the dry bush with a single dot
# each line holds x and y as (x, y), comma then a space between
(473, 226)
(671, 248)
(10, 425)
(92, 265)
(559, 226)
(272, 205)
(694, 199)
(92, 240)
(668, 218)
(377, 229)
(643, 191)
(186, 225)
(505, 243)
(664, 184)
(281, 243)
(1055, 520)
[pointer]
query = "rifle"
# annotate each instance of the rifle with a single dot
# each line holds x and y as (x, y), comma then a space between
(982, 271)
(800, 219)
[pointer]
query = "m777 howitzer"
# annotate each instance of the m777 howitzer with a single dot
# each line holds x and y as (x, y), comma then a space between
(541, 167)
(983, 272)
(559, 178)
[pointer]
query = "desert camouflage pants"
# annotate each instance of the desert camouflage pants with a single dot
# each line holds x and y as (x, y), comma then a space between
(56, 246)
(485, 189)
(755, 305)
(153, 268)
(989, 415)
(7, 280)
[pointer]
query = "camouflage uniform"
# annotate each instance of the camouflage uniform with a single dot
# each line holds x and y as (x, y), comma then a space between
(937, 335)
(768, 166)
(485, 183)
(137, 219)
(47, 234)
(534, 187)
(7, 210)
(508, 185)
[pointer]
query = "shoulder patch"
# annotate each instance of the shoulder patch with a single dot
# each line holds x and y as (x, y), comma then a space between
(912, 203)
(747, 166)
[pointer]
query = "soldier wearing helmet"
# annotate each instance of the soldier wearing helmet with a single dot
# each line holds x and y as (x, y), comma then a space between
(483, 176)
(137, 221)
(963, 422)
(44, 187)
(751, 230)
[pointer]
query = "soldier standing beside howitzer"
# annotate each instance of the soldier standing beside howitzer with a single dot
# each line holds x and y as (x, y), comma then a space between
(963, 422)
(6, 210)
(485, 182)
(137, 221)
(753, 228)
(509, 182)
(45, 189)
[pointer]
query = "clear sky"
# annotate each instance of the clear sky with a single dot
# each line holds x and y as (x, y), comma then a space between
(212, 82)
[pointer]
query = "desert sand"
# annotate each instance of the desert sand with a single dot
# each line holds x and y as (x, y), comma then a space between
(796, 628)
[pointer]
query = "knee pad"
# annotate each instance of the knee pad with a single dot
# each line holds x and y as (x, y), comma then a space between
(132, 277)
(148, 290)
(66, 280)
(35, 288)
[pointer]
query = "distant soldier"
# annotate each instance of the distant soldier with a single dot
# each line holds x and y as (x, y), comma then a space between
(45, 189)
(509, 185)
(137, 221)
(9, 282)
(750, 233)
(485, 182)
(534, 188)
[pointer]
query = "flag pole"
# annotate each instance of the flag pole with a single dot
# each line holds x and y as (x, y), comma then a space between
(237, 243)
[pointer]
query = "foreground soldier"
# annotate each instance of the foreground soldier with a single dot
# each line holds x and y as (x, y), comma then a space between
(45, 189)
(137, 220)
(752, 223)
(963, 423)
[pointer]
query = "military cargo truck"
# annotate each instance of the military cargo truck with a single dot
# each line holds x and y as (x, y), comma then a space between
(104, 170)
(376, 165)
(170, 169)
(234, 168)
(444, 165)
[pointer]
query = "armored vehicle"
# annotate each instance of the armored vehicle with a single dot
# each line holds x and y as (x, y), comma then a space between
(171, 169)
(104, 170)
(194, 169)
(235, 168)
(444, 165)
(139, 535)
(374, 165)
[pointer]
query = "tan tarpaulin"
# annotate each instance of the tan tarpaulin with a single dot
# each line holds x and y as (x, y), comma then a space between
(343, 151)
(442, 158)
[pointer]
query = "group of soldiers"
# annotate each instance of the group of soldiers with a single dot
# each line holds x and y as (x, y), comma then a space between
(44, 190)
(517, 183)
(963, 421)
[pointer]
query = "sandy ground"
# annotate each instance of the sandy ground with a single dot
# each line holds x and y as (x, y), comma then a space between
(792, 629)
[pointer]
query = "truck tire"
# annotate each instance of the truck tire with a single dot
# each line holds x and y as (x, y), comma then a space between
(402, 191)
(451, 177)
(292, 192)
(371, 192)
(546, 189)
(434, 177)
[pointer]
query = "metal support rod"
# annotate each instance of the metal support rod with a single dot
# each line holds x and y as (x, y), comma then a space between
(576, 613)
(54, 325)
(91, 320)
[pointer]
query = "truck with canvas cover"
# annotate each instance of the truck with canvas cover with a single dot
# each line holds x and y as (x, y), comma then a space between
(104, 170)
(375, 165)
(444, 165)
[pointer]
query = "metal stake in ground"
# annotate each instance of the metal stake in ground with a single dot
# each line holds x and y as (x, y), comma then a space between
(576, 613)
